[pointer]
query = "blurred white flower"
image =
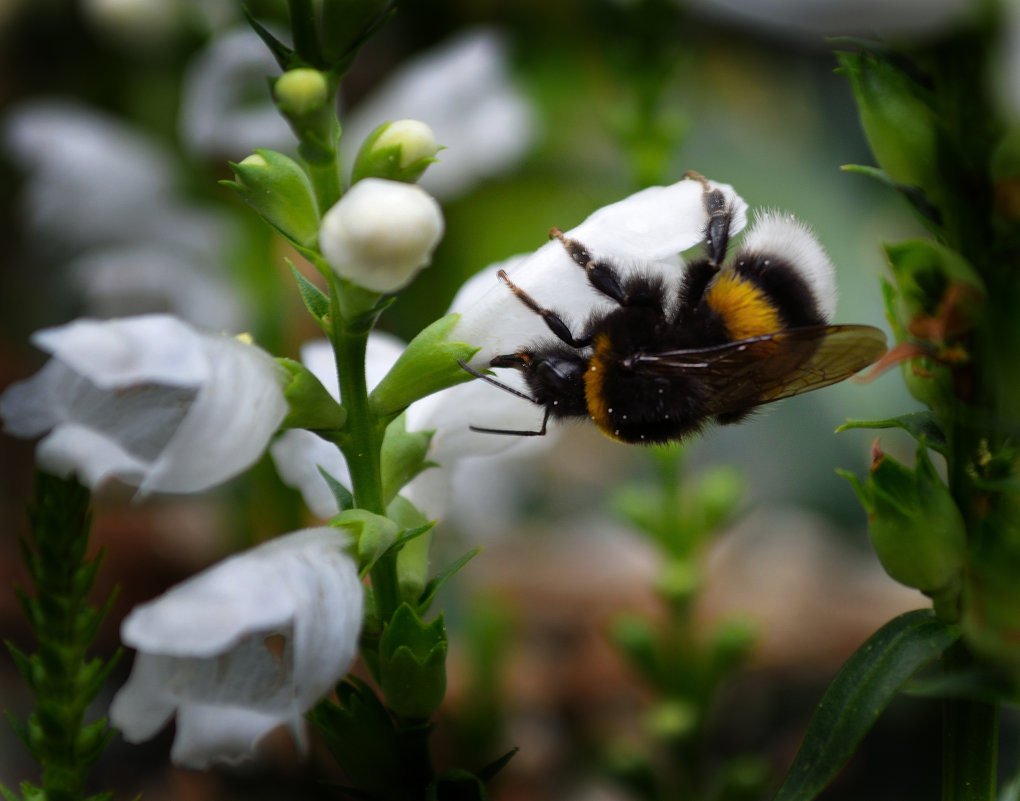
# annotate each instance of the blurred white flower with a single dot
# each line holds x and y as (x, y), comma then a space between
(381, 233)
(646, 231)
(149, 400)
(91, 179)
(108, 194)
(814, 19)
(138, 279)
(226, 109)
(463, 91)
(246, 646)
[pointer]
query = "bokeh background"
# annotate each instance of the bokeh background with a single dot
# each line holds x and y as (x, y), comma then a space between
(117, 119)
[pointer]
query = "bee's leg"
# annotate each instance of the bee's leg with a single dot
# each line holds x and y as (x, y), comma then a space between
(697, 276)
(717, 229)
(601, 275)
(552, 319)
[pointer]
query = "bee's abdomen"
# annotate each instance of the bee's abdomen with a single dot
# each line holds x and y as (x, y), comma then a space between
(637, 409)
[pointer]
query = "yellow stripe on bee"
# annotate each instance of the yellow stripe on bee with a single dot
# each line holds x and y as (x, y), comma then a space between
(594, 382)
(745, 308)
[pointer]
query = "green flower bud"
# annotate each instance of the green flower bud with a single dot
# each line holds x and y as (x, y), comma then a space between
(915, 526)
(300, 91)
(373, 533)
(412, 664)
(940, 294)
(413, 557)
(427, 365)
(311, 404)
(400, 151)
(678, 580)
(280, 191)
(899, 125)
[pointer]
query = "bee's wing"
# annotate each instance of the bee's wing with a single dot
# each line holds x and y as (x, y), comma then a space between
(750, 372)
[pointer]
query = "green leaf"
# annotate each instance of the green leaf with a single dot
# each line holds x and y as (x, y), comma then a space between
(311, 407)
(927, 211)
(488, 772)
(427, 365)
(456, 785)
(315, 300)
(284, 55)
(859, 693)
(922, 426)
(403, 456)
(435, 584)
(343, 496)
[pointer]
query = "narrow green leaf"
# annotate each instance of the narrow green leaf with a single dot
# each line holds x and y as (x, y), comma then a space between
(284, 55)
(922, 426)
(435, 584)
(315, 300)
(857, 696)
(344, 497)
(487, 772)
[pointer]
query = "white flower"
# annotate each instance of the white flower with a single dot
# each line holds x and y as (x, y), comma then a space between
(102, 191)
(646, 231)
(149, 400)
(248, 645)
(381, 233)
(463, 92)
(218, 118)
(131, 279)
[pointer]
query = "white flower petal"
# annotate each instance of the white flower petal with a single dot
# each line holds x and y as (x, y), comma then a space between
(462, 90)
(218, 118)
(145, 278)
(211, 734)
(258, 638)
(149, 400)
(91, 179)
(644, 232)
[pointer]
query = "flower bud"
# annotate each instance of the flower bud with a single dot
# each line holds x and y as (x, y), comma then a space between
(398, 150)
(899, 125)
(279, 189)
(412, 664)
(300, 91)
(381, 233)
(915, 526)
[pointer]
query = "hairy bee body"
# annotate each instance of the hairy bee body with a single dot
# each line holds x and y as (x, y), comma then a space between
(657, 367)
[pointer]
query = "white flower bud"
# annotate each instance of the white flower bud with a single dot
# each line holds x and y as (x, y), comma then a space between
(381, 233)
(414, 138)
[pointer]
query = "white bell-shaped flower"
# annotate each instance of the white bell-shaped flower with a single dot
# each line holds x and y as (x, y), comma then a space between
(381, 233)
(645, 232)
(463, 90)
(149, 400)
(249, 644)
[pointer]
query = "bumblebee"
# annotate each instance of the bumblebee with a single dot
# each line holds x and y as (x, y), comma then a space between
(660, 365)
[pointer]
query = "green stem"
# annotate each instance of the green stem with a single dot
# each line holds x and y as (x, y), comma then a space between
(970, 735)
(363, 443)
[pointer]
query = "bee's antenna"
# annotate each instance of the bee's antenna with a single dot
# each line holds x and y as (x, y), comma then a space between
(490, 380)
(506, 388)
